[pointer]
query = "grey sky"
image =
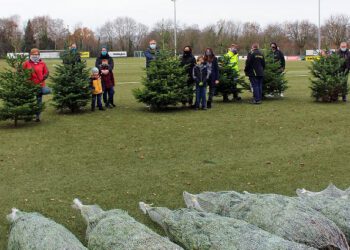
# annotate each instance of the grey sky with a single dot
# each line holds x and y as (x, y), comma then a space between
(202, 12)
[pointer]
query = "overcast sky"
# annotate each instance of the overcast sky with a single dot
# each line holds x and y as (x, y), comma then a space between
(202, 12)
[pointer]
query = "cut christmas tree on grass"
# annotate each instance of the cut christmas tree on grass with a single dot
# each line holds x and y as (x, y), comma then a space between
(275, 82)
(71, 90)
(18, 95)
(329, 80)
(165, 84)
(230, 80)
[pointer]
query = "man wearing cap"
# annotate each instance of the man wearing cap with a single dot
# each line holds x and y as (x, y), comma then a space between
(104, 56)
(39, 74)
(254, 69)
(151, 53)
(232, 54)
(344, 53)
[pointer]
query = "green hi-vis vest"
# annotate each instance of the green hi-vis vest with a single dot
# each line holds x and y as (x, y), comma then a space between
(233, 60)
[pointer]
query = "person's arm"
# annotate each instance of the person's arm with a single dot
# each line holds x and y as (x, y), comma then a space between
(112, 78)
(111, 63)
(148, 55)
(216, 69)
(248, 64)
(263, 62)
(97, 63)
(46, 72)
(283, 61)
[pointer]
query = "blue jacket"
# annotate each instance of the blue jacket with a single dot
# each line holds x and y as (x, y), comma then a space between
(150, 55)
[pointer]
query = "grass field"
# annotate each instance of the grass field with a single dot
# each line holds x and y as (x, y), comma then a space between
(126, 155)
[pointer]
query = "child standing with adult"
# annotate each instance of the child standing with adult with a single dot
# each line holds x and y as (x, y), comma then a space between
(200, 76)
(213, 73)
(96, 89)
(108, 84)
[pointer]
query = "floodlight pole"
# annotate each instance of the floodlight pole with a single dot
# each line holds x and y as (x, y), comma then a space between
(175, 27)
(319, 26)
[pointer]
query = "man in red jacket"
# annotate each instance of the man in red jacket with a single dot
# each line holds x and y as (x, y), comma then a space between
(39, 74)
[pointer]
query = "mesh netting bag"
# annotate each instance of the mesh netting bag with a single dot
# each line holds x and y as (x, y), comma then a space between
(32, 231)
(332, 203)
(116, 230)
(208, 231)
(284, 216)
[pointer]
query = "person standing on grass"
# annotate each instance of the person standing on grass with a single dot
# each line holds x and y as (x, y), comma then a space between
(200, 76)
(75, 55)
(104, 56)
(188, 61)
(232, 54)
(108, 84)
(213, 73)
(344, 53)
(254, 69)
(278, 58)
(151, 52)
(96, 89)
(39, 74)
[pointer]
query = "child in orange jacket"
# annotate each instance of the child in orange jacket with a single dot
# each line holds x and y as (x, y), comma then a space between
(96, 89)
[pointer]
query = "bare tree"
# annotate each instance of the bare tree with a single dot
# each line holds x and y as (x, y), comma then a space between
(251, 33)
(301, 33)
(336, 30)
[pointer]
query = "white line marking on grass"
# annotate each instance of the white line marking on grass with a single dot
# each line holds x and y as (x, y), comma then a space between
(121, 83)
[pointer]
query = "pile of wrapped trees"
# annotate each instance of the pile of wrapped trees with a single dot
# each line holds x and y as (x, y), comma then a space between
(212, 221)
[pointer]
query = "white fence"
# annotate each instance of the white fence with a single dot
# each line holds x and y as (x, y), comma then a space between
(118, 54)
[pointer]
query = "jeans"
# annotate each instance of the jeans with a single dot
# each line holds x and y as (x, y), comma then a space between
(108, 96)
(201, 96)
(98, 99)
(257, 86)
(40, 102)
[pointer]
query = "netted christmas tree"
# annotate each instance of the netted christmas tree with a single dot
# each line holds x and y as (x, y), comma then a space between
(329, 80)
(71, 89)
(275, 82)
(18, 95)
(165, 84)
(230, 80)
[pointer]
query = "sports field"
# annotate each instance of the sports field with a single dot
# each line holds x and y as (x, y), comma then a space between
(129, 154)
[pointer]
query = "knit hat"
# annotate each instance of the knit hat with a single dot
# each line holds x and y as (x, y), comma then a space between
(34, 50)
(94, 70)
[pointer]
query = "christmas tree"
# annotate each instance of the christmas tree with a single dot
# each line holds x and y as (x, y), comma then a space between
(165, 84)
(329, 80)
(18, 94)
(275, 82)
(230, 80)
(71, 89)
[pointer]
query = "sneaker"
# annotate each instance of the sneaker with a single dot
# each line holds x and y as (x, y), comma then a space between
(37, 120)
(209, 105)
(281, 95)
(113, 105)
(101, 109)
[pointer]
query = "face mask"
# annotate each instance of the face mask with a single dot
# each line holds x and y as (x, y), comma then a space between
(343, 49)
(187, 52)
(153, 46)
(74, 50)
(104, 53)
(35, 58)
(208, 53)
(234, 51)
(273, 48)
(105, 72)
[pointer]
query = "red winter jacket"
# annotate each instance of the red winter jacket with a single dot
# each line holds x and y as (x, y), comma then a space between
(108, 80)
(39, 72)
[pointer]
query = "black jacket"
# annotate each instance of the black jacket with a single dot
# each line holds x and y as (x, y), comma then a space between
(200, 74)
(279, 57)
(190, 62)
(346, 56)
(255, 64)
(214, 76)
(99, 59)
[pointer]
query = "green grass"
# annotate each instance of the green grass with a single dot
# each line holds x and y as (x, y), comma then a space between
(126, 155)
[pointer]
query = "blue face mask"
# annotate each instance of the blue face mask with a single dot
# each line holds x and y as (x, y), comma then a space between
(104, 53)
(74, 50)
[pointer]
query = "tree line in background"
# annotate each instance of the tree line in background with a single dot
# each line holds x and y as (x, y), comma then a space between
(126, 34)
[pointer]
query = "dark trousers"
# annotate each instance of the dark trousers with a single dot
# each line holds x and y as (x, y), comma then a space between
(40, 103)
(257, 86)
(108, 96)
(96, 98)
(211, 91)
(201, 96)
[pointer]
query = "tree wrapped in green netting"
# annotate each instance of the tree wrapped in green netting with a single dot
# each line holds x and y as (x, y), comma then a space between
(329, 81)
(207, 231)
(280, 215)
(165, 84)
(331, 204)
(116, 230)
(331, 191)
(32, 231)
